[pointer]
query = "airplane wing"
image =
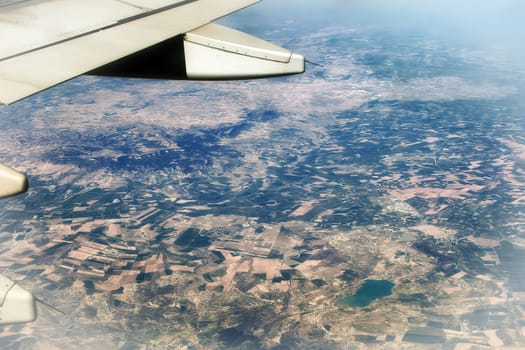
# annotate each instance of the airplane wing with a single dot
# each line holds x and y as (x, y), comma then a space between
(46, 42)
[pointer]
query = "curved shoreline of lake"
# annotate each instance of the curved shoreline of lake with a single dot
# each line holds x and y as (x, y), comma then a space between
(369, 291)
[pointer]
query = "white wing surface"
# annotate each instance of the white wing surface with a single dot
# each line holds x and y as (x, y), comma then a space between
(44, 43)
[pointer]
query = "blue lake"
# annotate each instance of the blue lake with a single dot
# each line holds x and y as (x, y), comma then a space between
(368, 292)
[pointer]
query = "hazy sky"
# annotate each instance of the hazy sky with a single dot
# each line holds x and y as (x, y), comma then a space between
(485, 24)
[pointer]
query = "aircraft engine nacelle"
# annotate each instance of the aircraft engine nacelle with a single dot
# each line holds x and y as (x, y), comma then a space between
(211, 52)
(17, 305)
(11, 182)
(218, 52)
